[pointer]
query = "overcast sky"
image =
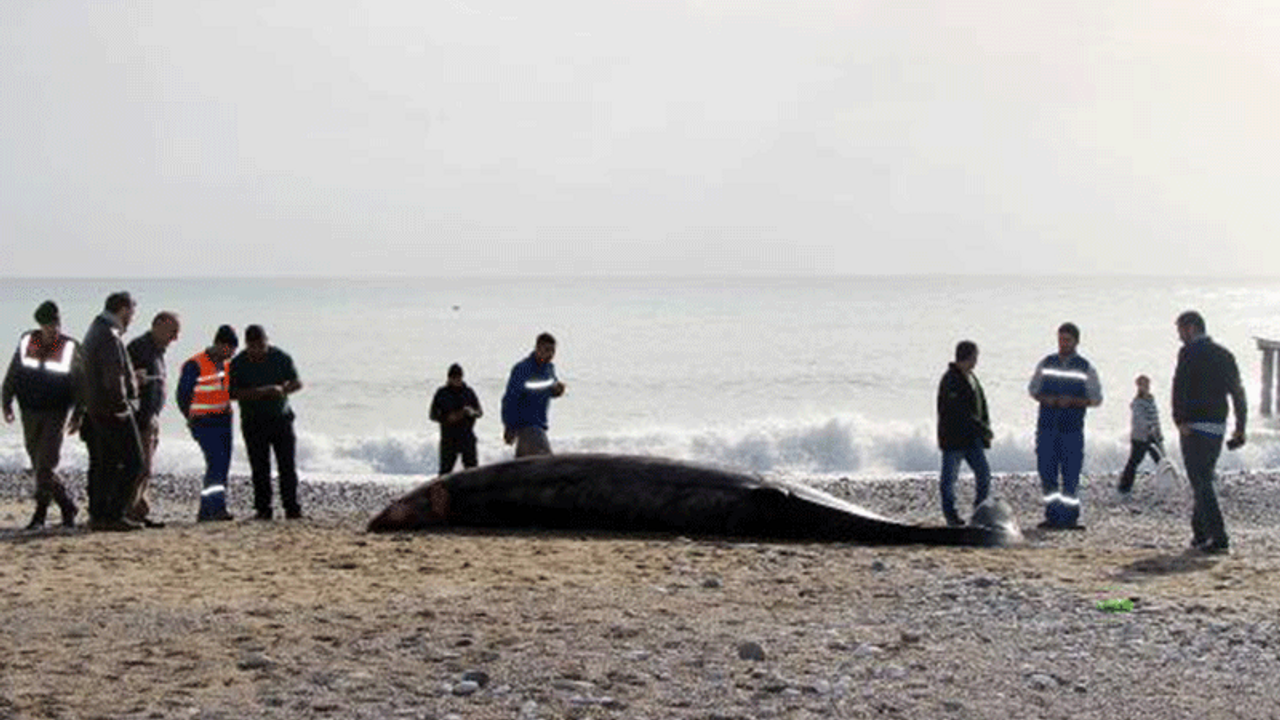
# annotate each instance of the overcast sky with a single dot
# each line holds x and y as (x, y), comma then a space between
(494, 137)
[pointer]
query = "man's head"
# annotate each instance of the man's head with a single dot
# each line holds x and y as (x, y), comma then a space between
(1144, 384)
(255, 342)
(455, 375)
(1068, 338)
(225, 342)
(48, 320)
(966, 354)
(164, 328)
(544, 349)
(1190, 325)
(121, 305)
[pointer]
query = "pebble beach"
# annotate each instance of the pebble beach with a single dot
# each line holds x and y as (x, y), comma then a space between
(316, 618)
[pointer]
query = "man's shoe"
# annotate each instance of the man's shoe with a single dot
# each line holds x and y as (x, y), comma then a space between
(293, 515)
(69, 516)
(219, 517)
(262, 515)
(37, 523)
(149, 523)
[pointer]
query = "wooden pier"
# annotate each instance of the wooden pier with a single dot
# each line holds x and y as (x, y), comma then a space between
(1270, 352)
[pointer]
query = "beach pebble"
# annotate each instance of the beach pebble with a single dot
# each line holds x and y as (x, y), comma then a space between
(711, 583)
(466, 687)
(1041, 681)
(254, 661)
(866, 650)
(479, 677)
(750, 651)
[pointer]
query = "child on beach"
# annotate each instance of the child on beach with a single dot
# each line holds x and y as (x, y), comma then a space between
(1144, 432)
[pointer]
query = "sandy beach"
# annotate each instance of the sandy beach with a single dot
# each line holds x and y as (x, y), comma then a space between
(315, 618)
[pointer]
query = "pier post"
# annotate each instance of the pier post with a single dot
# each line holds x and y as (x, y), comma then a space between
(1268, 373)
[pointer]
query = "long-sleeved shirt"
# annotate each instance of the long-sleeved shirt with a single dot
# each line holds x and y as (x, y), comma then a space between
(528, 394)
(1144, 419)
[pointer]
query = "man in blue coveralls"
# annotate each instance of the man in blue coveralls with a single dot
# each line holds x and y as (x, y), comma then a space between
(1065, 385)
(530, 388)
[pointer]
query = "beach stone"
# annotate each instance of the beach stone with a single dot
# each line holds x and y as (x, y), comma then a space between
(750, 651)
(1041, 681)
(711, 583)
(866, 650)
(528, 710)
(878, 566)
(466, 687)
(254, 661)
(479, 677)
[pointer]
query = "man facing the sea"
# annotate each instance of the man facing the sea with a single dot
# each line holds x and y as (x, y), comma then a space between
(40, 377)
(262, 379)
(530, 387)
(205, 401)
(108, 394)
(146, 352)
(1065, 385)
(1205, 376)
(964, 429)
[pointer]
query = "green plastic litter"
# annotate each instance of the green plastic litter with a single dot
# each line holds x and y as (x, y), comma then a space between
(1116, 605)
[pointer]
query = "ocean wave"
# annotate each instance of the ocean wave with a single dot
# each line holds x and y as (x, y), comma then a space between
(848, 445)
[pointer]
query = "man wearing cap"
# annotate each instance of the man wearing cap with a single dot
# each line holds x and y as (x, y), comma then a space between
(456, 407)
(530, 387)
(146, 352)
(262, 379)
(108, 395)
(205, 401)
(40, 377)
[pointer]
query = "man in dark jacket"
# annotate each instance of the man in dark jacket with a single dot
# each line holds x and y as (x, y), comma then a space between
(262, 379)
(40, 377)
(108, 395)
(530, 387)
(1206, 375)
(456, 407)
(146, 352)
(964, 429)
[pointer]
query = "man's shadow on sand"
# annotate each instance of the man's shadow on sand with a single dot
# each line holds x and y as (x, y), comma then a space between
(1162, 565)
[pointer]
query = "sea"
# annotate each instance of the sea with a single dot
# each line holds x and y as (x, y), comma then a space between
(793, 377)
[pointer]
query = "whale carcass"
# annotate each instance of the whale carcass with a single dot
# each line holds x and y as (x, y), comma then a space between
(648, 494)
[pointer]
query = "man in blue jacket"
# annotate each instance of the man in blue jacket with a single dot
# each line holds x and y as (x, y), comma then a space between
(1205, 376)
(1065, 385)
(530, 388)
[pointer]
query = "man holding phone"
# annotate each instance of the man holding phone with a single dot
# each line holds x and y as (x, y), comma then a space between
(1205, 377)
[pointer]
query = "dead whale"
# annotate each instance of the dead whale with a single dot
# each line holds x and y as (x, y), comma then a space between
(647, 494)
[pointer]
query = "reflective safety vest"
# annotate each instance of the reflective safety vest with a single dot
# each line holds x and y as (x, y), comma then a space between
(212, 394)
(54, 360)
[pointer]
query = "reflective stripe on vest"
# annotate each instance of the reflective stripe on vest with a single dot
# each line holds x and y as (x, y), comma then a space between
(58, 362)
(211, 395)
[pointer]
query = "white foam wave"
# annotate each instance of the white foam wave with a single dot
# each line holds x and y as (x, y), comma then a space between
(846, 445)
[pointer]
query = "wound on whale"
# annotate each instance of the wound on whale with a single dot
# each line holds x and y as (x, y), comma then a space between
(619, 493)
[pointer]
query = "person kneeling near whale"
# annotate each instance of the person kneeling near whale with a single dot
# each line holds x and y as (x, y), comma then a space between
(964, 429)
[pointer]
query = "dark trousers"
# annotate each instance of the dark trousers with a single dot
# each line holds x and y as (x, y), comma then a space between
(42, 430)
(1200, 455)
(215, 444)
(263, 436)
(1060, 454)
(115, 459)
(452, 447)
(1138, 448)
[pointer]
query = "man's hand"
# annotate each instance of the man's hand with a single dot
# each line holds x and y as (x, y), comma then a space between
(508, 435)
(73, 427)
(8, 415)
(1237, 440)
(558, 389)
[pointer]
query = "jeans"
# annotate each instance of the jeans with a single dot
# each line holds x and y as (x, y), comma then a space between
(1200, 454)
(1060, 454)
(261, 438)
(977, 459)
(215, 443)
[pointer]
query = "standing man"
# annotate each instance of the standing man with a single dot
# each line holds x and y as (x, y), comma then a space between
(205, 401)
(456, 407)
(108, 395)
(146, 352)
(530, 388)
(262, 379)
(1065, 385)
(40, 377)
(1205, 376)
(964, 429)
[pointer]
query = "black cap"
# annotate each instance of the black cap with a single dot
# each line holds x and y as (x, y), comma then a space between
(226, 335)
(47, 313)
